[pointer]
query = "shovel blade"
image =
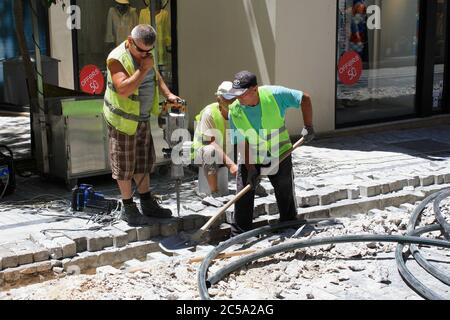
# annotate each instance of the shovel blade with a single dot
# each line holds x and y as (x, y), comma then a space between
(178, 242)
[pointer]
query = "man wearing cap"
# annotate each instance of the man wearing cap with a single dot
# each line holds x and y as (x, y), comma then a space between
(257, 120)
(211, 145)
(132, 93)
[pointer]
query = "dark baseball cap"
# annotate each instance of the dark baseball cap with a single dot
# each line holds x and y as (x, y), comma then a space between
(243, 81)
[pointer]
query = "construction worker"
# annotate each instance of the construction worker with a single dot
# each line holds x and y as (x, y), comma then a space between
(132, 93)
(257, 119)
(211, 145)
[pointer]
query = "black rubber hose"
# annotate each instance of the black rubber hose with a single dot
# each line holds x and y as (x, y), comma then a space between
(291, 246)
(439, 216)
(203, 284)
(407, 276)
(203, 270)
(416, 253)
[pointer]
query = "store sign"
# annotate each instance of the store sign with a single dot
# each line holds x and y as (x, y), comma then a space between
(91, 80)
(350, 68)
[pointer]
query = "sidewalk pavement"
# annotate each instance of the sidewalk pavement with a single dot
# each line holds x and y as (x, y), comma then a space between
(333, 177)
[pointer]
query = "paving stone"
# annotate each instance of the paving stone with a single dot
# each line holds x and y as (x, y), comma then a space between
(131, 231)
(98, 240)
(327, 196)
(426, 181)
(13, 275)
(439, 179)
(210, 201)
(385, 187)
(259, 208)
(353, 193)
(194, 207)
(80, 239)
(120, 238)
(143, 233)
(271, 208)
(313, 213)
(24, 256)
(414, 181)
(84, 261)
(447, 178)
(9, 258)
(398, 185)
(350, 207)
(69, 247)
(229, 216)
(54, 249)
(307, 199)
(398, 199)
(369, 190)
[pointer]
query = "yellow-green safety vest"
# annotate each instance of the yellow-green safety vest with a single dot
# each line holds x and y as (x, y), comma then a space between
(219, 124)
(262, 143)
(120, 112)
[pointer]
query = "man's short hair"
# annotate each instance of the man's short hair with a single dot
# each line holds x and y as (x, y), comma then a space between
(145, 33)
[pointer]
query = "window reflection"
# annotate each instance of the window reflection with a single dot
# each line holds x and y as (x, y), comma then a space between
(387, 86)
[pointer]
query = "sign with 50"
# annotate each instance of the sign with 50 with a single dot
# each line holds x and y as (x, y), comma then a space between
(350, 68)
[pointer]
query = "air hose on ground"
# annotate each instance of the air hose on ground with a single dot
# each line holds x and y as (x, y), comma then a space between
(411, 238)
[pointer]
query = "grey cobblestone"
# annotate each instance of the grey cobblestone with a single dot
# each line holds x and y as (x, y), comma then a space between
(369, 190)
(131, 231)
(8, 258)
(426, 181)
(96, 241)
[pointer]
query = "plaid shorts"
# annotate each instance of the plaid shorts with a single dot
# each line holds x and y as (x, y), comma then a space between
(130, 155)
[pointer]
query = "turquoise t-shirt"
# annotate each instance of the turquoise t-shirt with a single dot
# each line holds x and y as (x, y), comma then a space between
(286, 98)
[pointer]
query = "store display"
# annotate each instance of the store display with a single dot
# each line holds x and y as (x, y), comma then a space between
(121, 20)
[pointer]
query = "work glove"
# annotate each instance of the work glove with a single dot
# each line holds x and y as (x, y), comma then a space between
(308, 134)
(253, 177)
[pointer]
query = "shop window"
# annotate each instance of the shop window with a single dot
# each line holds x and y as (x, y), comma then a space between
(107, 23)
(438, 87)
(377, 60)
(9, 48)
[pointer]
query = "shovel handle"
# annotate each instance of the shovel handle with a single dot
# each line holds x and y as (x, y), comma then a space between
(245, 190)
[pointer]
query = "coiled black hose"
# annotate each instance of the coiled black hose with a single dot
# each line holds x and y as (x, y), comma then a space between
(203, 283)
(407, 276)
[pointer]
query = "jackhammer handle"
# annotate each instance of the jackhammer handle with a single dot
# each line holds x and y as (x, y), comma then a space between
(246, 189)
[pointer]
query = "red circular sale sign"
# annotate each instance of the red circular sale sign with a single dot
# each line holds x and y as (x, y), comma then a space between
(91, 80)
(350, 68)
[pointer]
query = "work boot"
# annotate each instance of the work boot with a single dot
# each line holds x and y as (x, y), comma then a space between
(151, 208)
(130, 213)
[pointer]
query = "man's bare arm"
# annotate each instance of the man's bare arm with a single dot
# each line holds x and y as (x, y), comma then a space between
(307, 110)
(126, 85)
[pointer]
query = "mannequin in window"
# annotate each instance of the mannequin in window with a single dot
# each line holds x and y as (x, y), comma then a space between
(164, 40)
(122, 18)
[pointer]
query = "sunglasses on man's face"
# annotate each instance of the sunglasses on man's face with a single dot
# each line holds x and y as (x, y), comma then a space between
(141, 50)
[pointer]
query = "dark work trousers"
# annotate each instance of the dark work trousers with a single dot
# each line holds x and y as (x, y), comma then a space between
(283, 185)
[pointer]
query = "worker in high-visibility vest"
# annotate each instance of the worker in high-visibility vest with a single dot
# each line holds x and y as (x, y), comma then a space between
(258, 119)
(132, 94)
(211, 147)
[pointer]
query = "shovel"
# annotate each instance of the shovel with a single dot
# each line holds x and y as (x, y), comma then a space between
(188, 241)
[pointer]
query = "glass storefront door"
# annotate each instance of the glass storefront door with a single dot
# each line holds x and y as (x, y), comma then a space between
(438, 87)
(377, 60)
